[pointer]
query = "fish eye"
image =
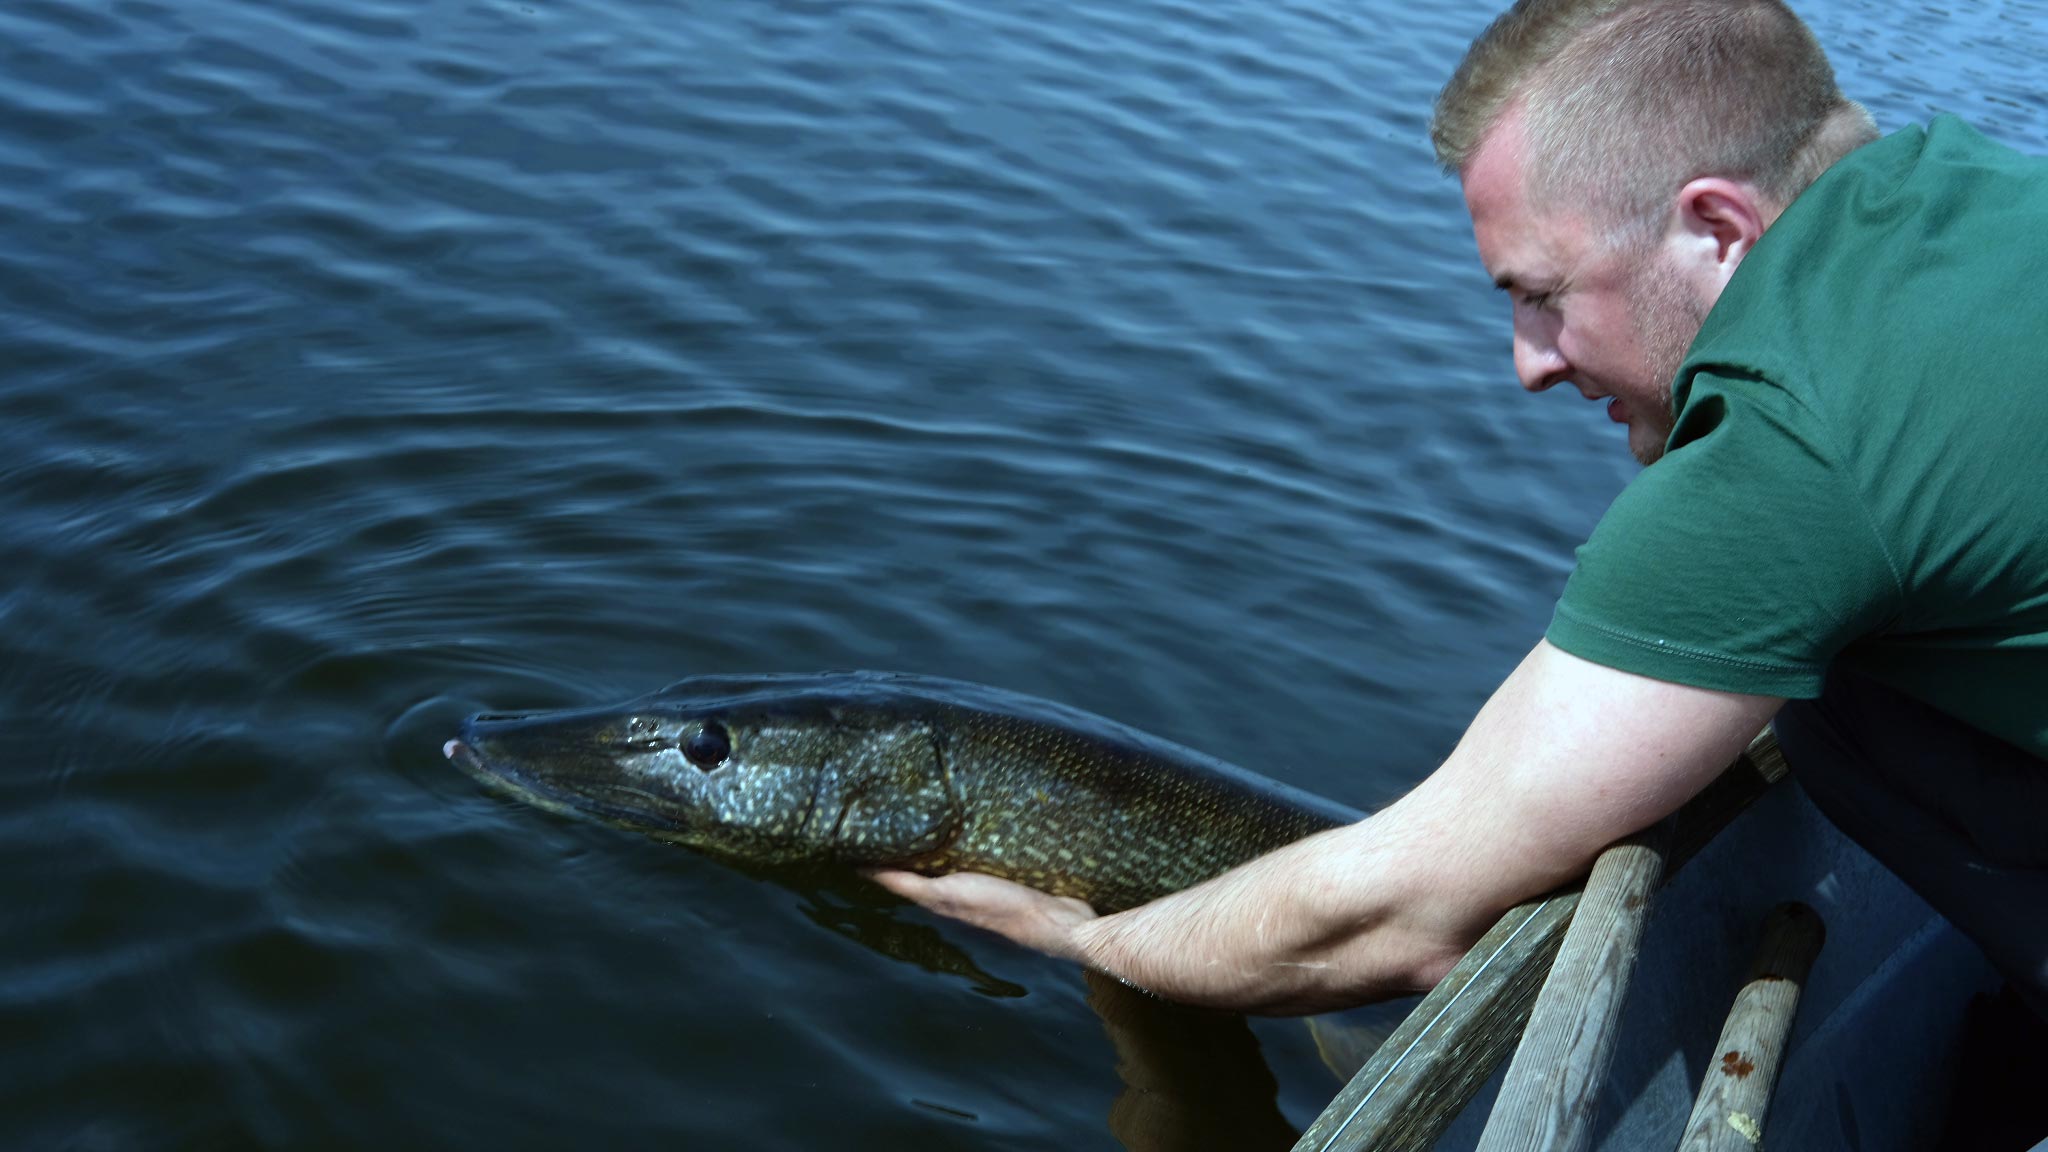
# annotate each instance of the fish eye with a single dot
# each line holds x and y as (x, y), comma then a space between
(708, 747)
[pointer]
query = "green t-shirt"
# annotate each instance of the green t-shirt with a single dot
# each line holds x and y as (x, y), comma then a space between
(1859, 467)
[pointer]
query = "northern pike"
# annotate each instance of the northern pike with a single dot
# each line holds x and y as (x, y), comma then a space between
(898, 771)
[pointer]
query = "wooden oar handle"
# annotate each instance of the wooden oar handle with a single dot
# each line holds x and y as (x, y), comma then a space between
(1548, 1101)
(1449, 1046)
(1736, 1093)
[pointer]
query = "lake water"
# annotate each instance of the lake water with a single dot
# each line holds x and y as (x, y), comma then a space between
(367, 364)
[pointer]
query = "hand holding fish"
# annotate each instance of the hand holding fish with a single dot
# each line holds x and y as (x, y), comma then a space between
(1221, 889)
(1565, 758)
(1005, 907)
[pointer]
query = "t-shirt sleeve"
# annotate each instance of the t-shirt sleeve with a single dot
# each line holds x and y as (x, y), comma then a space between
(1742, 561)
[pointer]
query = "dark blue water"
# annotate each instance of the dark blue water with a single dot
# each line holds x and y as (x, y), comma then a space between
(368, 364)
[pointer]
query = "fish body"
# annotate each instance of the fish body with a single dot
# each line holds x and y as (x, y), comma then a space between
(899, 771)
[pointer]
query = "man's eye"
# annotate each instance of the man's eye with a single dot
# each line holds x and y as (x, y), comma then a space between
(1540, 301)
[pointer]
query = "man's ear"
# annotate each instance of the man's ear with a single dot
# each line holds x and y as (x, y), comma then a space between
(1718, 221)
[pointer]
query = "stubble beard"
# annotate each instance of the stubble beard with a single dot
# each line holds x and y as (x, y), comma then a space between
(1666, 318)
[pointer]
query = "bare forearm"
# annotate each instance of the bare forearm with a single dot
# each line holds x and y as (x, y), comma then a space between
(1566, 758)
(1351, 915)
(1325, 923)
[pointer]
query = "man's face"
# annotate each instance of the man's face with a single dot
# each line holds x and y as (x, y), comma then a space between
(1614, 323)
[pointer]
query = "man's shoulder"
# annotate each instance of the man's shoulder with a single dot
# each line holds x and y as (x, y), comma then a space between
(1892, 177)
(1906, 252)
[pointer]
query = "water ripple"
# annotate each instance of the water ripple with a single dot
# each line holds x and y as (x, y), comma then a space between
(374, 363)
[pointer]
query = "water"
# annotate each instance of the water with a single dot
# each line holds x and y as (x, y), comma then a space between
(367, 364)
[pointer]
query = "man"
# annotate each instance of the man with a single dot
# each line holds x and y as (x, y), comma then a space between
(1846, 506)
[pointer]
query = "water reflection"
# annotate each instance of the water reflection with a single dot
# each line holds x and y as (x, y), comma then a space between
(1194, 1080)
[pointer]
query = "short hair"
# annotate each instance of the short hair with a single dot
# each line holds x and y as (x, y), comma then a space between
(1627, 100)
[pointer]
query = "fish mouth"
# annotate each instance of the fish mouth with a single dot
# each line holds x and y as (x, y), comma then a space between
(502, 777)
(610, 803)
(506, 779)
(463, 756)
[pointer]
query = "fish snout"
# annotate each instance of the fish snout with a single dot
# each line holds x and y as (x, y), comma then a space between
(496, 743)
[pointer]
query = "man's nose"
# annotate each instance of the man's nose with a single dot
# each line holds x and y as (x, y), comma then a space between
(1538, 363)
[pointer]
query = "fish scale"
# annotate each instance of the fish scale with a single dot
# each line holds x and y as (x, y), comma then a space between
(893, 770)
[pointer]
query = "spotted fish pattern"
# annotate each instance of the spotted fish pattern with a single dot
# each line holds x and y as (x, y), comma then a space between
(892, 770)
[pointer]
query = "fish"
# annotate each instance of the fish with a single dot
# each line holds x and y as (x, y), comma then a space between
(900, 771)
